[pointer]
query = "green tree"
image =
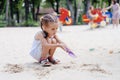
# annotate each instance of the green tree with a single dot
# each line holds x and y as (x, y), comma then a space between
(35, 5)
(2, 6)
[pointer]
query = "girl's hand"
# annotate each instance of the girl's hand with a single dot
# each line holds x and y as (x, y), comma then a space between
(63, 46)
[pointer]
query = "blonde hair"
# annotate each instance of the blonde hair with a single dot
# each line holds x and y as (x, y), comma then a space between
(46, 19)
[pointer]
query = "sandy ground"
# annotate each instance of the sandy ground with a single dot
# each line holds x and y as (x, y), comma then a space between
(97, 51)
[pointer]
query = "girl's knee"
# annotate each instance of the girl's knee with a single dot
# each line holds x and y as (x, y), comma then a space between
(54, 41)
(46, 47)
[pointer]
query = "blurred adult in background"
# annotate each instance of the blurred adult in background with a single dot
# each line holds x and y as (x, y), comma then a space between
(115, 12)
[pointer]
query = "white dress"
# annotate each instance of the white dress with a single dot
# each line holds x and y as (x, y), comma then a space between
(36, 50)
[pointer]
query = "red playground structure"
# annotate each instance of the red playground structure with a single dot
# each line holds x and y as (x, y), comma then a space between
(65, 16)
(98, 21)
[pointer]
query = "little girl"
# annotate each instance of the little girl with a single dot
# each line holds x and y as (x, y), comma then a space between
(46, 41)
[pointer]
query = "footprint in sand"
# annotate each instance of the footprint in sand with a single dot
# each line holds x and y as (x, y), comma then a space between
(13, 68)
(66, 67)
(93, 68)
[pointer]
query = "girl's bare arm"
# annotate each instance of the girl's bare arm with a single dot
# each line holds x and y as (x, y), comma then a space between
(44, 42)
(63, 45)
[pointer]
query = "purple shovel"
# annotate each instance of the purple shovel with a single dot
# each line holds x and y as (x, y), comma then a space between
(70, 53)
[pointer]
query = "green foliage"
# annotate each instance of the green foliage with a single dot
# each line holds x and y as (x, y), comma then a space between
(3, 24)
(63, 3)
(2, 21)
(45, 4)
(80, 19)
(20, 3)
(36, 2)
(2, 6)
(29, 23)
(17, 6)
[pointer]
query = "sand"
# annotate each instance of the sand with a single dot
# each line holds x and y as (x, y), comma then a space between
(97, 51)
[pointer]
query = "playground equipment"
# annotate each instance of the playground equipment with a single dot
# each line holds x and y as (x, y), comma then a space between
(65, 16)
(100, 20)
(109, 16)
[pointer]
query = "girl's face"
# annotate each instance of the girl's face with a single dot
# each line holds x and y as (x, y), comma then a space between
(51, 29)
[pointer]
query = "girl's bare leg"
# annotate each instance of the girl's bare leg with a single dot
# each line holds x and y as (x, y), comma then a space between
(52, 50)
(44, 56)
(49, 50)
(45, 51)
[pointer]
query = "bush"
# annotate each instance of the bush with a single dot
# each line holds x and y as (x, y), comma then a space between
(29, 23)
(3, 23)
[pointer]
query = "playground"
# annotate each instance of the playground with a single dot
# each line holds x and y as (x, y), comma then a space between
(97, 51)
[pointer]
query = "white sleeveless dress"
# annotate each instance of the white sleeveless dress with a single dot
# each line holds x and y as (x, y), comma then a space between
(36, 50)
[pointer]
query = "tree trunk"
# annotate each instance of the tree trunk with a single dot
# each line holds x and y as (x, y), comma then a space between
(38, 9)
(33, 10)
(1, 5)
(52, 3)
(11, 9)
(75, 11)
(57, 6)
(17, 12)
(70, 7)
(78, 10)
(26, 9)
(109, 1)
(87, 5)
